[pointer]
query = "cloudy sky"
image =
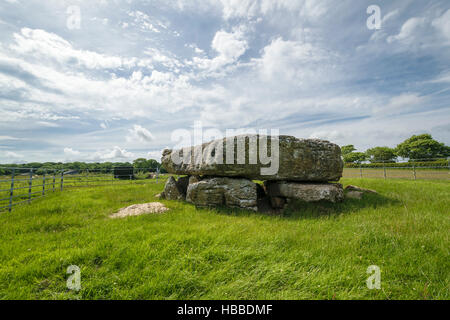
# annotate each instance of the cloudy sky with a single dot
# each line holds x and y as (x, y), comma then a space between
(111, 80)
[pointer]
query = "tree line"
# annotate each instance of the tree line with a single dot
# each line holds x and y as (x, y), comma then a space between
(141, 164)
(418, 147)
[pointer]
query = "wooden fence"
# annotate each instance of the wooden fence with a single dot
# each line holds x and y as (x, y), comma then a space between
(23, 185)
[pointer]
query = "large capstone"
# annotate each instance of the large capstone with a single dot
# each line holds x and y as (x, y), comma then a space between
(218, 191)
(258, 157)
(309, 192)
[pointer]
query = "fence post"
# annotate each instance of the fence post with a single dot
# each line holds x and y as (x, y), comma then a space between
(43, 183)
(62, 179)
(30, 185)
(414, 171)
(11, 192)
(384, 170)
(157, 174)
(54, 179)
(448, 162)
(360, 171)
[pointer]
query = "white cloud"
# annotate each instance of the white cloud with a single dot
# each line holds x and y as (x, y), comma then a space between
(45, 45)
(229, 46)
(14, 155)
(296, 61)
(405, 102)
(441, 78)
(71, 153)
(156, 155)
(409, 31)
(239, 8)
(145, 23)
(253, 8)
(138, 133)
(47, 124)
(442, 24)
(82, 93)
(115, 154)
(157, 56)
(332, 136)
(9, 138)
(390, 15)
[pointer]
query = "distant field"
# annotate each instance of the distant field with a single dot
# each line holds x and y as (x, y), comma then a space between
(315, 251)
(406, 173)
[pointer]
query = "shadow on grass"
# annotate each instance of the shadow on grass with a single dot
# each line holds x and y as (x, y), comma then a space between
(313, 210)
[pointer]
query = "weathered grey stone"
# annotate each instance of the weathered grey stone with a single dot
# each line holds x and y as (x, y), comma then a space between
(172, 190)
(194, 179)
(218, 191)
(308, 192)
(299, 159)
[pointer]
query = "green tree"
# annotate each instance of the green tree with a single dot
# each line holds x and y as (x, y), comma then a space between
(347, 149)
(422, 146)
(381, 154)
(153, 164)
(148, 165)
(140, 163)
(355, 157)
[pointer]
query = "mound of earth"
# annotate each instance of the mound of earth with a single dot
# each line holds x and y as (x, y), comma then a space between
(138, 209)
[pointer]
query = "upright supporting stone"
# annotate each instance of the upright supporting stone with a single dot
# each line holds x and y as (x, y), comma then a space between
(219, 191)
(308, 192)
(172, 191)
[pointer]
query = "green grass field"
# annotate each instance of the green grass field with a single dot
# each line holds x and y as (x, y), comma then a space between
(316, 251)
